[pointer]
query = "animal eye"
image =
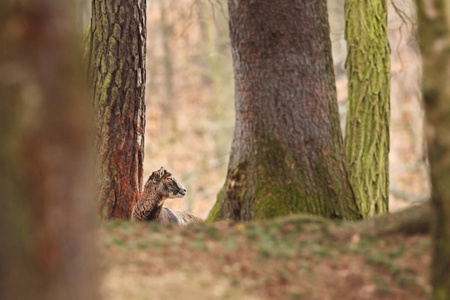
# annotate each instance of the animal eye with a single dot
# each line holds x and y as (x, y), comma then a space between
(169, 179)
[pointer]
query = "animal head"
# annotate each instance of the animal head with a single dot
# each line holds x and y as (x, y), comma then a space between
(166, 185)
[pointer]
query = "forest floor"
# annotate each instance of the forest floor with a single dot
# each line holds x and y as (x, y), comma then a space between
(290, 258)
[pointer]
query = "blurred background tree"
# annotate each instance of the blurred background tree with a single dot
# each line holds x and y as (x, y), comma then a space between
(117, 72)
(434, 34)
(47, 215)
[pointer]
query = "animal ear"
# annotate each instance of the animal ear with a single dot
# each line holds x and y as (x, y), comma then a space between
(152, 177)
(157, 175)
(161, 172)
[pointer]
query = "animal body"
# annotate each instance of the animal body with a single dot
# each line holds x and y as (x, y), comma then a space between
(161, 185)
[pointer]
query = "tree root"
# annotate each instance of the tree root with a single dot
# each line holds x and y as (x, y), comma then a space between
(411, 221)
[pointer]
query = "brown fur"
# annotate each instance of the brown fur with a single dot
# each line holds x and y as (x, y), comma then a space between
(160, 186)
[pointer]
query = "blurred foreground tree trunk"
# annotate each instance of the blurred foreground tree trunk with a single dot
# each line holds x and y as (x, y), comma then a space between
(46, 217)
(117, 67)
(287, 154)
(434, 34)
(367, 130)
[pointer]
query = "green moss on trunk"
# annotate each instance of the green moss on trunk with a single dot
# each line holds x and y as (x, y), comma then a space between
(367, 130)
(217, 212)
(273, 183)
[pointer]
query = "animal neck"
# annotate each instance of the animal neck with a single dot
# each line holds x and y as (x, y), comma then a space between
(149, 206)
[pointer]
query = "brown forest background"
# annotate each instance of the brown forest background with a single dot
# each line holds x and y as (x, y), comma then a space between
(190, 98)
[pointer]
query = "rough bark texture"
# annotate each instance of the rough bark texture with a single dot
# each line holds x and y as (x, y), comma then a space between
(287, 155)
(367, 130)
(434, 34)
(46, 215)
(117, 62)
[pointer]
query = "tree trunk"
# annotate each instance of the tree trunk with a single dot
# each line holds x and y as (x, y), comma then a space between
(117, 62)
(287, 155)
(46, 215)
(367, 131)
(434, 34)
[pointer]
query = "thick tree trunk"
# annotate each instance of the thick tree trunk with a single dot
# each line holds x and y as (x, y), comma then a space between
(287, 155)
(117, 61)
(46, 215)
(434, 34)
(367, 131)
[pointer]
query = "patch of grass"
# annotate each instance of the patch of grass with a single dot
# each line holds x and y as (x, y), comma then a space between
(382, 284)
(384, 261)
(396, 252)
(116, 223)
(252, 236)
(313, 228)
(157, 243)
(117, 241)
(212, 233)
(321, 251)
(311, 241)
(199, 244)
(131, 245)
(230, 245)
(362, 247)
(294, 294)
(264, 252)
(155, 227)
(406, 279)
(424, 243)
(283, 276)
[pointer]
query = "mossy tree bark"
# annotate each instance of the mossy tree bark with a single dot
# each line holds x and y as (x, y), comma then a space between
(368, 113)
(434, 35)
(287, 155)
(47, 213)
(117, 62)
